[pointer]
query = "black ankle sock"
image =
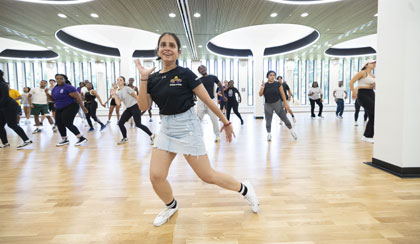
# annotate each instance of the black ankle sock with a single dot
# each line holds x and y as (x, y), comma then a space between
(172, 204)
(243, 190)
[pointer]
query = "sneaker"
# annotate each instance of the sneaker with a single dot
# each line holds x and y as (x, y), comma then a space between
(251, 197)
(91, 130)
(340, 117)
(293, 134)
(37, 130)
(150, 120)
(242, 122)
(164, 216)
(103, 127)
(54, 128)
(355, 123)
(217, 139)
(123, 140)
(26, 143)
(269, 137)
(152, 139)
(313, 117)
(81, 141)
(5, 145)
(321, 116)
(63, 142)
(108, 122)
(368, 140)
(294, 120)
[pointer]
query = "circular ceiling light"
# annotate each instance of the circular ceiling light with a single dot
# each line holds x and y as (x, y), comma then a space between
(273, 15)
(200, 46)
(62, 2)
(172, 15)
(304, 2)
(93, 15)
(197, 15)
(62, 15)
(184, 46)
(304, 15)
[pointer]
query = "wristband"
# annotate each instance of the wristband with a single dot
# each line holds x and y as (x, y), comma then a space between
(227, 124)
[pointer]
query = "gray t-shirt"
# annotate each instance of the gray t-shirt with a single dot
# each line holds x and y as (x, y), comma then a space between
(125, 96)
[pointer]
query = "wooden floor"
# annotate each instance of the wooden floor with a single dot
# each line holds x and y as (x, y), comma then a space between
(312, 191)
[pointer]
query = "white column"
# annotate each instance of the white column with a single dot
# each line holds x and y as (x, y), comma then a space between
(125, 62)
(397, 117)
(258, 56)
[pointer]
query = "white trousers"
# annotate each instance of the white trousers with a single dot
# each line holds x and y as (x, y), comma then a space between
(202, 109)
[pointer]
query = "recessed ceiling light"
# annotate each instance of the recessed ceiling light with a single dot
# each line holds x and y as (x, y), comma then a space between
(62, 16)
(157, 30)
(330, 45)
(200, 46)
(93, 15)
(58, 47)
(273, 15)
(65, 47)
(328, 29)
(304, 15)
(197, 15)
(184, 46)
(172, 15)
(49, 47)
(376, 15)
(102, 61)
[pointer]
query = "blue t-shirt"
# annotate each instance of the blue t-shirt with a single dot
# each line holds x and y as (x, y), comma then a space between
(61, 95)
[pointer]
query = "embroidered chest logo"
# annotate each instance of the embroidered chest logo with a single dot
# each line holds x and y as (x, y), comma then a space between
(62, 91)
(175, 81)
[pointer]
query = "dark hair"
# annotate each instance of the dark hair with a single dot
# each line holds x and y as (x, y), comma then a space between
(281, 77)
(269, 72)
(1, 76)
(178, 43)
(66, 79)
(364, 67)
(51, 80)
(122, 77)
(29, 89)
(317, 85)
(200, 67)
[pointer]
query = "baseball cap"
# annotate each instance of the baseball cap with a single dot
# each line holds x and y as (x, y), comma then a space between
(369, 61)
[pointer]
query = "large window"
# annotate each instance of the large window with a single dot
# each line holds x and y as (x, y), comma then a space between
(250, 82)
(29, 72)
(296, 93)
(303, 82)
(20, 76)
(326, 80)
(311, 72)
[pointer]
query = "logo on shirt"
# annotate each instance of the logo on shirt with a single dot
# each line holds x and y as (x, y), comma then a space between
(62, 91)
(175, 81)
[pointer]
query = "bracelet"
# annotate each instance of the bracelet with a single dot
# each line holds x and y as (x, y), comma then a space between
(143, 80)
(227, 124)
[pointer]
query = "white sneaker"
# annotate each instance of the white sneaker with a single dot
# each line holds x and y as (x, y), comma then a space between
(355, 123)
(368, 140)
(294, 120)
(268, 136)
(217, 139)
(164, 216)
(152, 139)
(251, 197)
(293, 134)
(123, 140)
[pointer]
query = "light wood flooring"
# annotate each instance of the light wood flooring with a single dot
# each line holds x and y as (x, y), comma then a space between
(315, 190)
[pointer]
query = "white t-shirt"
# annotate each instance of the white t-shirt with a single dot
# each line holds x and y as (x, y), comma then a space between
(83, 90)
(316, 93)
(339, 92)
(38, 96)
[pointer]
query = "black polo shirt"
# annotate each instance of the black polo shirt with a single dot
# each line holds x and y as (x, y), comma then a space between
(208, 82)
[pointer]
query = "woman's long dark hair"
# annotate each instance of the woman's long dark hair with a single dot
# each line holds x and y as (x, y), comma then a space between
(1, 76)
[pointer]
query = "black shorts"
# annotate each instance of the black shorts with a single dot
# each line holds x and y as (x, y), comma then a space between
(113, 102)
(51, 107)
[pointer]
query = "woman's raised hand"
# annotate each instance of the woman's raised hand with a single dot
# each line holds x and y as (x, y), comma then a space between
(144, 73)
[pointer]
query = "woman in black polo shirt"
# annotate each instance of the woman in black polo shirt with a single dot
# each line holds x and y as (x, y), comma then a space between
(172, 89)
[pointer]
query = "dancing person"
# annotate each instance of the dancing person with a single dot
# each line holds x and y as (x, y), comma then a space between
(288, 94)
(132, 86)
(15, 95)
(273, 92)
(91, 105)
(208, 82)
(8, 111)
(366, 96)
(221, 95)
(172, 90)
(67, 101)
(340, 94)
(112, 104)
(128, 96)
(25, 104)
(150, 113)
(51, 106)
(315, 96)
(232, 102)
(39, 105)
(356, 113)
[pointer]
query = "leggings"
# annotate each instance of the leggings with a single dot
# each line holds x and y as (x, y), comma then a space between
(317, 101)
(277, 107)
(8, 116)
(134, 112)
(357, 110)
(91, 107)
(234, 105)
(366, 98)
(64, 118)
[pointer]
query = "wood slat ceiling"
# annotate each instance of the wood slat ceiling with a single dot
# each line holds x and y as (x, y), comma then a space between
(217, 16)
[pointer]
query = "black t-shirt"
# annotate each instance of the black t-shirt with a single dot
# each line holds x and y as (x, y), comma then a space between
(172, 91)
(208, 82)
(231, 94)
(286, 88)
(272, 92)
(5, 100)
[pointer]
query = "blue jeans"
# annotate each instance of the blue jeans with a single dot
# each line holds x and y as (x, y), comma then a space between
(340, 107)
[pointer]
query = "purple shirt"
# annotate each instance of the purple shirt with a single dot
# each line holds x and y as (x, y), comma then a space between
(61, 95)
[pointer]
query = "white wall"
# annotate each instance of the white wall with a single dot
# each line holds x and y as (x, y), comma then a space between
(397, 118)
